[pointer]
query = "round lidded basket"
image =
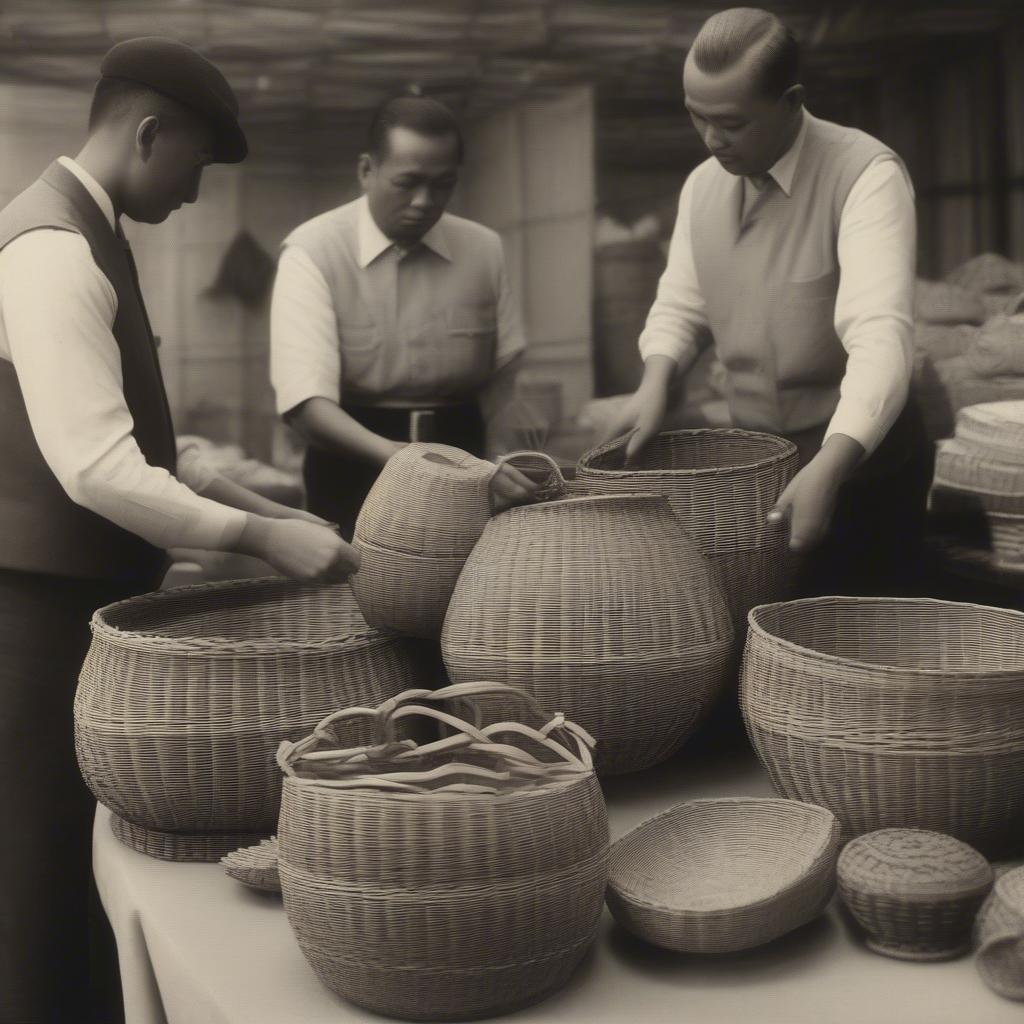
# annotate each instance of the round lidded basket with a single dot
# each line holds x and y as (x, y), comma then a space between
(719, 876)
(994, 428)
(449, 881)
(417, 526)
(915, 893)
(721, 483)
(186, 694)
(602, 608)
(999, 936)
(892, 713)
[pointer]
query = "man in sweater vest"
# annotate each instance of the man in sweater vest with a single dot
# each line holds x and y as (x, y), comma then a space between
(91, 489)
(794, 250)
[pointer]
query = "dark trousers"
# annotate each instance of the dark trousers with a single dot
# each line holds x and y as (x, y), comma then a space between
(337, 485)
(58, 961)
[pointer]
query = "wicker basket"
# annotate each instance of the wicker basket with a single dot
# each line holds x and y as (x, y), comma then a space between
(717, 876)
(963, 466)
(999, 936)
(721, 484)
(416, 528)
(451, 881)
(892, 713)
(255, 866)
(186, 694)
(600, 607)
(915, 893)
(995, 429)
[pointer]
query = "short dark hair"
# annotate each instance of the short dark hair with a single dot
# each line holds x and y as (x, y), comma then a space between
(726, 37)
(115, 98)
(419, 114)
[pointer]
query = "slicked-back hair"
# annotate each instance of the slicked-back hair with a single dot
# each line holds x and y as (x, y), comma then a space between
(419, 114)
(728, 36)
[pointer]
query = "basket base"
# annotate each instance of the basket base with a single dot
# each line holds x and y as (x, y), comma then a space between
(921, 954)
(199, 847)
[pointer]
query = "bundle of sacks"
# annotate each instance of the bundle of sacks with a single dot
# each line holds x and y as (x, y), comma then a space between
(969, 339)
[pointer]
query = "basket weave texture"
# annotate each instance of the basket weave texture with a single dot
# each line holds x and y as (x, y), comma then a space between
(997, 428)
(255, 866)
(914, 892)
(892, 713)
(717, 876)
(185, 695)
(721, 484)
(449, 881)
(999, 936)
(602, 608)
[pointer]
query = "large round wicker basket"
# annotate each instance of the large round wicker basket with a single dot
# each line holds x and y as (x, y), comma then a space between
(450, 881)
(721, 484)
(893, 713)
(186, 694)
(602, 608)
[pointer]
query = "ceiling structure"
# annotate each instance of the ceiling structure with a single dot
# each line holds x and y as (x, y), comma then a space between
(308, 71)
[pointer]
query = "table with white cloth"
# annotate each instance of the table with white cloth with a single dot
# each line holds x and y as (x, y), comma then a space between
(197, 947)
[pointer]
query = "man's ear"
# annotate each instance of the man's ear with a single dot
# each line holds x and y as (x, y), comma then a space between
(145, 135)
(364, 168)
(794, 97)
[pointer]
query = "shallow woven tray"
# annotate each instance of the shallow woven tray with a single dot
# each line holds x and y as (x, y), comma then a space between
(206, 848)
(717, 876)
(255, 866)
(893, 713)
(914, 892)
(999, 936)
(996, 428)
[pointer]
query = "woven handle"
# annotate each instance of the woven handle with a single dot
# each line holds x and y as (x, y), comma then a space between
(537, 464)
(557, 737)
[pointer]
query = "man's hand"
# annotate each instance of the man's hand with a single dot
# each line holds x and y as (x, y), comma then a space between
(510, 487)
(300, 549)
(644, 412)
(809, 502)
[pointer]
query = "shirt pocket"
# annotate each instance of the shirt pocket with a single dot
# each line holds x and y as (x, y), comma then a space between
(466, 357)
(359, 345)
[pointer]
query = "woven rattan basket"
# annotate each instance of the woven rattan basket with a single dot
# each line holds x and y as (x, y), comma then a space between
(186, 694)
(600, 607)
(255, 866)
(893, 713)
(716, 876)
(449, 881)
(915, 893)
(721, 484)
(994, 428)
(999, 936)
(418, 525)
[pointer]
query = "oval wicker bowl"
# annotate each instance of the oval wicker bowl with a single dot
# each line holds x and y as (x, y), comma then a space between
(914, 892)
(999, 936)
(602, 608)
(255, 866)
(185, 695)
(447, 882)
(717, 876)
(721, 484)
(893, 713)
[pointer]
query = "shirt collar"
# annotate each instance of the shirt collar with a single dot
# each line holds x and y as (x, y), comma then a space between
(373, 242)
(93, 187)
(784, 169)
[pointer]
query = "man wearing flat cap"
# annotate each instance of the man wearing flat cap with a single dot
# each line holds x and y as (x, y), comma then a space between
(91, 490)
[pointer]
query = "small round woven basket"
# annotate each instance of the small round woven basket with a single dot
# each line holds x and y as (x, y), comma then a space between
(185, 695)
(418, 525)
(448, 881)
(893, 713)
(914, 892)
(721, 484)
(995, 429)
(999, 936)
(602, 608)
(718, 876)
(255, 866)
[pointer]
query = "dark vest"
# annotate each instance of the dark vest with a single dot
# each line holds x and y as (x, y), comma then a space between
(41, 528)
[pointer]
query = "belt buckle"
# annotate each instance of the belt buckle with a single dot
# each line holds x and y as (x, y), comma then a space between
(422, 425)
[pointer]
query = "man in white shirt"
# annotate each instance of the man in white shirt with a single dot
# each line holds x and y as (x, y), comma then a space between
(794, 249)
(392, 320)
(91, 491)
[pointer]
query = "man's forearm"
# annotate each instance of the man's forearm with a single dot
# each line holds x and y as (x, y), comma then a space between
(325, 424)
(227, 492)
(839, 457)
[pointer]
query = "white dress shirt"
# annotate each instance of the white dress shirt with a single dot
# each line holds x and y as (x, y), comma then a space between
(369, 339)
(874, 305)
(57, 312)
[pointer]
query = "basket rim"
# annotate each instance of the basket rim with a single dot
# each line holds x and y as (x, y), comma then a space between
(785, 450)
(458, 559)
(633, 497)
(756, 628)
(211, 645)
(828, 838)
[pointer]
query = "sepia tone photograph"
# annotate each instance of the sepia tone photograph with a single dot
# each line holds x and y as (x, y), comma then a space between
(511, 510)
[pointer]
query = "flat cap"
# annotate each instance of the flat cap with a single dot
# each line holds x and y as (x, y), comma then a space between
(183, 74)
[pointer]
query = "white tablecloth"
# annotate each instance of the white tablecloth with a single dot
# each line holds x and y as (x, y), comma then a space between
(197, 947)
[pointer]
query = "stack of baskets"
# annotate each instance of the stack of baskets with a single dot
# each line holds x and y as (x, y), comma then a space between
(186, 694)
(979, 477)
(721, 484)
(454, 880)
